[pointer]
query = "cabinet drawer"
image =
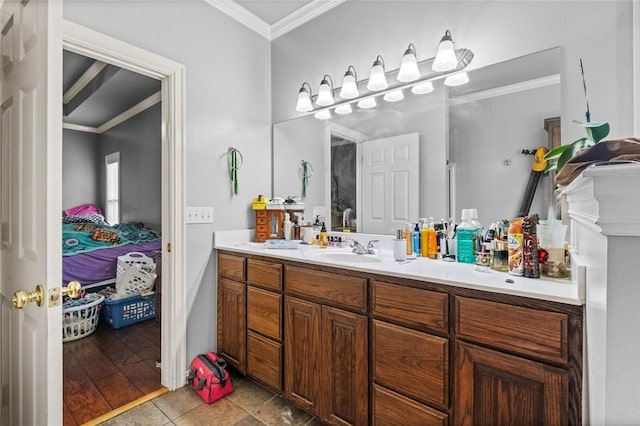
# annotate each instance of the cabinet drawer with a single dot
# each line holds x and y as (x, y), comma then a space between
(262, 221)
(264, 274)
(264, 360)
(411, 306)
(261, 213)
(350, 292)
(527, 331)
(392, 409)
(264, 310)
(411, 362)
(231, 266)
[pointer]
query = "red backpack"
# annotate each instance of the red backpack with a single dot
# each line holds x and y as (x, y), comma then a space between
(209, 378)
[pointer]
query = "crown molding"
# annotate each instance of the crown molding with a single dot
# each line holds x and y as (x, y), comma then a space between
(242, 15)
(283, 26)
(302, 15)
(509, 89)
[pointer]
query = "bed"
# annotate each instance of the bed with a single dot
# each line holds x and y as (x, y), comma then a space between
(90, 247)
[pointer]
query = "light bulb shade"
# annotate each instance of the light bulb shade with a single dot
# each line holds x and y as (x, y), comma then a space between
(409, 66)
(378, 79)
(325, 92)
(323, 115)
(349, 89)
(367, 103)
(422, 88)
(457, 79)
(343, 109)
(393, 96)
(445, 59)
(304, 99)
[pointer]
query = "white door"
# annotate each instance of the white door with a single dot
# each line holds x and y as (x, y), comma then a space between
(390, 175)
(30, 210)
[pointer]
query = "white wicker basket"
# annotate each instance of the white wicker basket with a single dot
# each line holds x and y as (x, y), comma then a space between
(135, 274)
(80, 316)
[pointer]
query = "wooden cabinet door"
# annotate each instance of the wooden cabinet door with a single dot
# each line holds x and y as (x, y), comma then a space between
(302, 353)
(232, 323)
(345, 376)
(497, 389)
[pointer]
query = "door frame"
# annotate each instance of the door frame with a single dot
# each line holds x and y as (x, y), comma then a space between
(87, 42)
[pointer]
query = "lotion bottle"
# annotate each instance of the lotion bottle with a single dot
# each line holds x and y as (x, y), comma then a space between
(399, 247)
(324, 239)
(408, 237)
(416, 240)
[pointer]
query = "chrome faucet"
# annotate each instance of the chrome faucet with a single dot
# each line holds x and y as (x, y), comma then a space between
(360, 249)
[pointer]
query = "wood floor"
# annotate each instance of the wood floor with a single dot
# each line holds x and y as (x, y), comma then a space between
(109, 369)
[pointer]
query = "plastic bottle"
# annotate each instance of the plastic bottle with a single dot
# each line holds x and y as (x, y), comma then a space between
(407, 235)
(416, 240)
(296, 229)
(432, 242)
(324, 240)
(399, 247)
(465, 235)
(424, 239)
(288, 227)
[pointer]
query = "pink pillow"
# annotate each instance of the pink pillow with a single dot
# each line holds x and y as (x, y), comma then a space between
(82, 210)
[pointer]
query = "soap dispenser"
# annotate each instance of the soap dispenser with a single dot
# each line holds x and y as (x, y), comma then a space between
(324, 240)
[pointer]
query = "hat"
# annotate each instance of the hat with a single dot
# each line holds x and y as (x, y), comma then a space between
(605, 152)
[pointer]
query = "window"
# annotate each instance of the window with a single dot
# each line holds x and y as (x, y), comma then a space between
(112, 166)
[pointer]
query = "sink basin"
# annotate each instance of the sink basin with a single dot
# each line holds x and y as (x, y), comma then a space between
(343, 256)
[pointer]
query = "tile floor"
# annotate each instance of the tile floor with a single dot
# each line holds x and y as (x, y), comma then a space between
(249, 404)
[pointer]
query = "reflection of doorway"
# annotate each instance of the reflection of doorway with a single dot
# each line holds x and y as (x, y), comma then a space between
(390, 176)
(343, 183)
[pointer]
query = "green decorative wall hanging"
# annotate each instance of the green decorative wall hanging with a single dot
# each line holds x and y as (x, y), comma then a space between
(305, 171)
(235, 160)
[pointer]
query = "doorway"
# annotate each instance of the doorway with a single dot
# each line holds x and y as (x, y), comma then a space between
(88, 43)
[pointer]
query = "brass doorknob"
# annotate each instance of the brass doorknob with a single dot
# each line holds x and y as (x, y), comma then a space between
(72, 289)
(21, 298)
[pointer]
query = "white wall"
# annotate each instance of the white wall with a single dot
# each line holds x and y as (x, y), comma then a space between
(79, 178)
(139, 142)
(228, 104)
(599, 32)
(481, 142)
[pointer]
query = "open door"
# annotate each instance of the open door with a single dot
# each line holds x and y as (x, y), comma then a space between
(30, 209)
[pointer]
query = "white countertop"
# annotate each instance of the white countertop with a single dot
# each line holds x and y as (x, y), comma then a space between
(420, 269)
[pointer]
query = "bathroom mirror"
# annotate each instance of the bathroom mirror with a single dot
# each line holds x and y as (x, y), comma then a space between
(427, 155)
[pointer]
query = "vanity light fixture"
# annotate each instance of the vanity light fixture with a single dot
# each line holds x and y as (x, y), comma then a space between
(367, 103)
(349, 89)
(378, 78)
(423, 88)
(446, 57)
(343, 109)
(411, 74)
(409, 66)
(324, 114)
(457, 79)
(393, 96)
(304, 98)
(325, 92)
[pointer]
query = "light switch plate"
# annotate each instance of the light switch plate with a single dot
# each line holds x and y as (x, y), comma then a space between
(199, 215)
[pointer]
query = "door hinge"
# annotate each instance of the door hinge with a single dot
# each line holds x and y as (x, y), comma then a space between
(168, 247)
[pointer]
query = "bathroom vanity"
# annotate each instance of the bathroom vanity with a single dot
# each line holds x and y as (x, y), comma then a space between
(358, 342)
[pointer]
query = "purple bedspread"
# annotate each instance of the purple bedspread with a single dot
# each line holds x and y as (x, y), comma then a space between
(100, 265)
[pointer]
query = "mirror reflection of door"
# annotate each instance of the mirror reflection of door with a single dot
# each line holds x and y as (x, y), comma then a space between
(390, 177)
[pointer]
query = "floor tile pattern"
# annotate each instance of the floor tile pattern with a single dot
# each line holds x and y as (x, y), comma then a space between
(249, 405)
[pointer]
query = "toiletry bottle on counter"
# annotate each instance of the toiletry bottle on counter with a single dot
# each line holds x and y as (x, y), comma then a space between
(287, 227)
(530, 256)
(399, 247)
(416, 240)
(432, 240)
(324, 239)
(465, 234)
(514, 238)
(296, 229)
(408, 236)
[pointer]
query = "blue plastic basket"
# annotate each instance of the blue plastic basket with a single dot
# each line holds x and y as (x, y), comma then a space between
(129, 310)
